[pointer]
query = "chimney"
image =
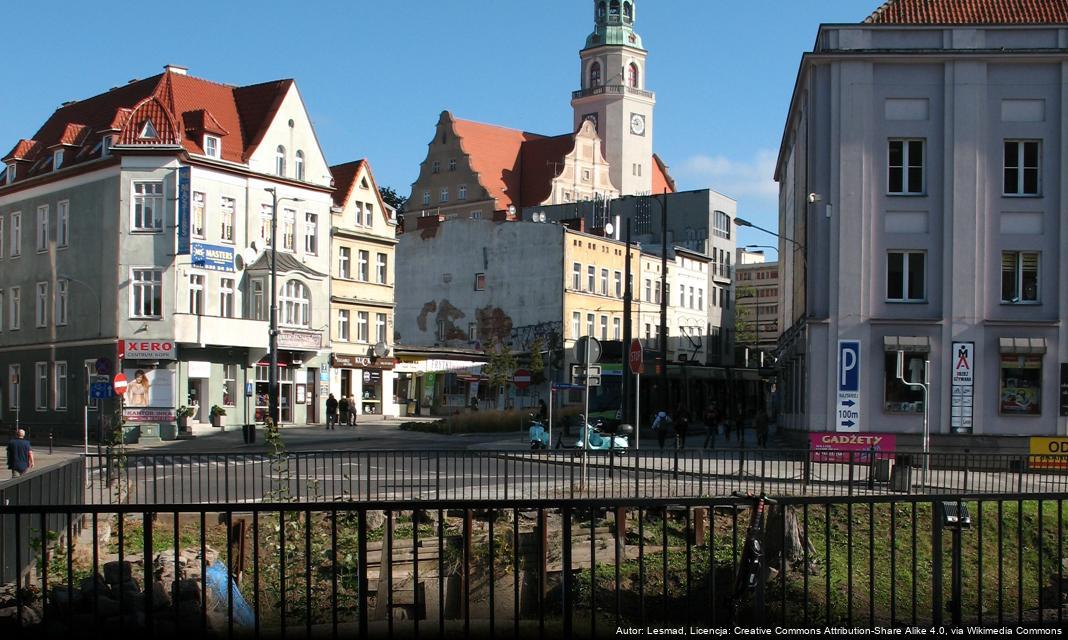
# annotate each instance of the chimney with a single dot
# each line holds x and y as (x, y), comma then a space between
(173, 68)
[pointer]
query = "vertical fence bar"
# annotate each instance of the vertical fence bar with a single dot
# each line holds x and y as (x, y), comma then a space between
(565, 593)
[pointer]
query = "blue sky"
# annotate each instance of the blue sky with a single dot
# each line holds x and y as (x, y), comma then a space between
(375, 75)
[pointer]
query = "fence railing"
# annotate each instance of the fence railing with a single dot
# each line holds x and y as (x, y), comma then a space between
(541, 568)
(317, 476)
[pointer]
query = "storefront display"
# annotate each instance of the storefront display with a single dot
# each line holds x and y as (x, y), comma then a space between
(1021, 385)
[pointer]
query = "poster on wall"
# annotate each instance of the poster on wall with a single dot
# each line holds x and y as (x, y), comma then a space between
(302, 394)
(149, 395)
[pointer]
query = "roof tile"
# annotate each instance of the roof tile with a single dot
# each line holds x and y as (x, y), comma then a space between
(951, 12)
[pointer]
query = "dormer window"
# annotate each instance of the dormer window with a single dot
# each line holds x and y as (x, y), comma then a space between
(212, 146)
(10, 173)
(148, 131)
(57, 159)
(105, 146)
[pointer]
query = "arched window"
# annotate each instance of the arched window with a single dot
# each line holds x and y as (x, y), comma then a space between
(628, 12)
(633, 75)
(296, 304)
(300, 165)
(613, 9)
(280, 161)
(595, 74)
(600, 11)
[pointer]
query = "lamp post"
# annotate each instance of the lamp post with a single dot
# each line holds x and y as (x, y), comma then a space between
(99, 331)
(663, 296)
(273, 410)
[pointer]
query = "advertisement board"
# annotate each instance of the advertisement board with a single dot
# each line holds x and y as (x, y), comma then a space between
(212, 257)
(1048, 453)
(149, 395)
(185, 199)
(836, 447)
(148, 350)
(962, 380)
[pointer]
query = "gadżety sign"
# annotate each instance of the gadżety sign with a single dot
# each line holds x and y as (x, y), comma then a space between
(848, 410)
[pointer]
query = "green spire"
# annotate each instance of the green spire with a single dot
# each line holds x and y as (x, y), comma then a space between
(614, 24)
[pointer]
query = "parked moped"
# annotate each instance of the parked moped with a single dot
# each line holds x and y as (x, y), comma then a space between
(539, 436)
(598, 437)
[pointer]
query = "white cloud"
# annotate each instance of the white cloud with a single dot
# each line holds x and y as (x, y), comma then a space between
(740, 179)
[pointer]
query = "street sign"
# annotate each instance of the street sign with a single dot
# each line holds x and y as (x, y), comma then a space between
(848, 411)
(100, 388)
(102, 366)
(637, 356)
(521, 379)
(578, 374)
(963, 379)
(248, 389)
(119, 384)
(580, 350)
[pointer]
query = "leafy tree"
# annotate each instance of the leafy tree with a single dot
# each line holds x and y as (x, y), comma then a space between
(501, 365)
(393, 199)
(745, 330)
(537, 363)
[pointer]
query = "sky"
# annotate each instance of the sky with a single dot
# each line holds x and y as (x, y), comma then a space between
(375, 75)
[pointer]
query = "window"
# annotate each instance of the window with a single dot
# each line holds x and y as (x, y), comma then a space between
(148, 206)
(57, 159)
(476, 214)
(14, 313)
(280, 161)
(296, 304)
(196, 224)
(656, 292)
(591, 279)
(266, 213)
(576, 276)
(595, 74)
(899, 397)
(472, 332)
(11, 172)
(41, 306)
(444, 196)
(40, 386)
(906, 276)
(148, 131)
(358, 210)
(691, 297)
(368, 214)
(381, 261)
(16, 234)
(61, 304)
(480, 282)
(59, 394)
(617, 331)
(226, 298)
(229, 385)
(604, 282)
(1021, 385)
(452, 165)
(461, 192)
(725, 298)
(14, 386)
(426, 197)
(380, 327)
(1021, 168)
(700, 299)
(633, 75)
(576, 324)
(344, 263)
(905, 174)
(343, 325)
(604, 327)
(196, 294)
(256, 312)
(289, 230)
(299, 165)
(648, 290)
(617, 277)
(2, 245)
(436, 167)
(721, 225)
(311, 234)
(105, 146)
(1019, 277)
(212, 147)
(363, 260)
(682, 296)
(362, 319)
(2, 309)
(146, 293)
(226, 228)
(42, 228)
(589, 324)
(62, 225)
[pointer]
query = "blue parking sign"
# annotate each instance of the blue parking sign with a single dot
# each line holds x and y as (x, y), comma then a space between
(848, 413)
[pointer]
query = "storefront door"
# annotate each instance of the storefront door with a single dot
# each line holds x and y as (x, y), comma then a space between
(313, 395)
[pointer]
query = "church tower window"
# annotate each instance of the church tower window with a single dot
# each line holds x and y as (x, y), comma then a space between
(600, 11)
(613, 9)
(628, 12)
(595, 74)
(633, 75)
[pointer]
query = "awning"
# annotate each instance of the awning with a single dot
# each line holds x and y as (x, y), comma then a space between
(1022, 345)
(908, 344)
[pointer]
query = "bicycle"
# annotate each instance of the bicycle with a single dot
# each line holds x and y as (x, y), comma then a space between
(751, 565)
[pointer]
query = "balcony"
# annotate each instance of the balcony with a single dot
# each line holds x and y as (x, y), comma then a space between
(618, 89)
(236, 332)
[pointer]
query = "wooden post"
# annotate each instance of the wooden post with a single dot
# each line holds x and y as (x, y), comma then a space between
(699, 530)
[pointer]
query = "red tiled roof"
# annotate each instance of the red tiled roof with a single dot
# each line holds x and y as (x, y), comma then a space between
(541, 161)
(27, 150)
(345, 181)
(182, 109)
(662, 180)
(495, 154)
(971, 12)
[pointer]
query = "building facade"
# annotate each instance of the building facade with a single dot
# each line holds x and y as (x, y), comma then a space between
(921, 176)
(363, 243)
(756, 293)
(140, 241)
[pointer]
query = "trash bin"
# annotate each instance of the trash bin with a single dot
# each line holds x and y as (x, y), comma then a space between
(248, 433)
(901, 478)
(884, 470)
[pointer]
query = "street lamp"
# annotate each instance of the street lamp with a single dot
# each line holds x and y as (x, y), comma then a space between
(273, 409)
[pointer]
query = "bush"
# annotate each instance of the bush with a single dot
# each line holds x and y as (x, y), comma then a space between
(474, 422)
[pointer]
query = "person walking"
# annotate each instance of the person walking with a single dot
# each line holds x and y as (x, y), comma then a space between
(331, 412)
(343, 409)
(682, 425)
(660, 425)
(352, 411)
(19, 454)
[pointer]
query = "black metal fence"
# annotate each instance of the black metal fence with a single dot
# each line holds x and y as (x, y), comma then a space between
(61, 484)
(544, 568)
(315, 476)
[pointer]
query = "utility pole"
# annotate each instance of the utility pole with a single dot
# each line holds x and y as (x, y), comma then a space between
(663, 303)
(628, 331)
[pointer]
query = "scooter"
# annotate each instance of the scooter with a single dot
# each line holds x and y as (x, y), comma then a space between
(596, 437)
(539, 437)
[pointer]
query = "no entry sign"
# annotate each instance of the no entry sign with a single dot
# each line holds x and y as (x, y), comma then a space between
(119, 384)
(521, 379)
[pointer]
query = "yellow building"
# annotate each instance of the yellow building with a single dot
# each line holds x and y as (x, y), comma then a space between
(363, 242)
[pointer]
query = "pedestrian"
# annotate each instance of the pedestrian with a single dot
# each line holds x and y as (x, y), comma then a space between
(343, 409)
(660, 426)
(543, 410)
(682, 425)
(19, 454)
(331, 412)
(761, 425)
(352, 411)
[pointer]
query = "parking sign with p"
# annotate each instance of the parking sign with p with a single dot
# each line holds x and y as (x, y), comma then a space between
(848, 413)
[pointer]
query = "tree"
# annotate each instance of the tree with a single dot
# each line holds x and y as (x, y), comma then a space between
(393, 199)
(745, 329)
(537, 363)
(501, 365)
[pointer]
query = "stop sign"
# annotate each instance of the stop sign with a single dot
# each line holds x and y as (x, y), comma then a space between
(636, 356)
(521, 379)
(120, 383)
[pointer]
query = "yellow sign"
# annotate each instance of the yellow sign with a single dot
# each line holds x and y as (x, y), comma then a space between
(1049, 453)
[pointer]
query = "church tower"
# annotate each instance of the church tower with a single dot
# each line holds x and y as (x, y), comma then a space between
(614, 96)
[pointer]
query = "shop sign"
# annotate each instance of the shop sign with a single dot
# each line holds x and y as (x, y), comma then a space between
(148, 350)
(1048, 453)
(149, 388)
(300, 340)
(836, 447)
(212, 257)
(363, 362)
(184, 202)
(148, 415)
(961, 382)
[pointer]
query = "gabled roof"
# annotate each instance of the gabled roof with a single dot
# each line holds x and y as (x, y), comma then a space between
(345, 182)
(495, 155)
(964, 12)
(662, 180)
(181, 107)
(541, 161)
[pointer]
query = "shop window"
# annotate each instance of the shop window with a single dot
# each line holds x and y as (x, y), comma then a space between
(229, 385)
(899, 397)
(1021, 385)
